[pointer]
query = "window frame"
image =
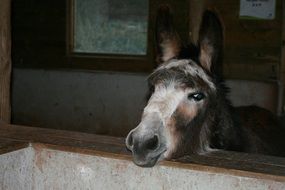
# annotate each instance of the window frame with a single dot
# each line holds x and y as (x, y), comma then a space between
(110, 62)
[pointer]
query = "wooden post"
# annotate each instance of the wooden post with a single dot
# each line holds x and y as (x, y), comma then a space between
(282, 63)
(5, 60)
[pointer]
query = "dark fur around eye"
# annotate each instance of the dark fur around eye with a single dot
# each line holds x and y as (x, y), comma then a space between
(198, 96)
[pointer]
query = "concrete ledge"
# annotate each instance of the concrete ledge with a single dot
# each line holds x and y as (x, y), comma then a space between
(66, 160)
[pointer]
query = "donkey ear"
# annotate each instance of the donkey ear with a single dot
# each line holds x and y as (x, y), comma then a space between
(211, 43)
(168, 42)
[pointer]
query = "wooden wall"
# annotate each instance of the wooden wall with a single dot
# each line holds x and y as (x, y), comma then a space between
(41, 28)
(252, 47)
(39, 33)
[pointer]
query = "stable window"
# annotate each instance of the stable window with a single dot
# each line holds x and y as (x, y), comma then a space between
(110, 35)
(110, 27)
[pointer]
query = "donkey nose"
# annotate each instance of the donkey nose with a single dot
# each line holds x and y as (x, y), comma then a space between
(142, 144)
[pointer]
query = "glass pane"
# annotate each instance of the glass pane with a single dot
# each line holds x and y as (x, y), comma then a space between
(111, 26)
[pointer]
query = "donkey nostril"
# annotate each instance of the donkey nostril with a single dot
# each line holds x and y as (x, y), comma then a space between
(130, 140)
(152, 143)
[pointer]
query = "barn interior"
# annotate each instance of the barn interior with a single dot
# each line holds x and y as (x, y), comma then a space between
(81, 66)
(82, 91)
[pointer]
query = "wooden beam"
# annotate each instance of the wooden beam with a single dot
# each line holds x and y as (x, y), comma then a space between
(282, 63)
(5, 60)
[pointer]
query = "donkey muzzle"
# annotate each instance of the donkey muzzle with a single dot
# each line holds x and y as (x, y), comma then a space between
(146, 143)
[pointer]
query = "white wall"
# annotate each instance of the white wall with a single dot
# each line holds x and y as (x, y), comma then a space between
(84, 101)
(16, 169)
(42, 168)
(98, 102)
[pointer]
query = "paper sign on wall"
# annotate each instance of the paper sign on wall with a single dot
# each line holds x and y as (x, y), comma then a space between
(257, 9)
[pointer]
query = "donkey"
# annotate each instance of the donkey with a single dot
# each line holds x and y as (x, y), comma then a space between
(188, 111)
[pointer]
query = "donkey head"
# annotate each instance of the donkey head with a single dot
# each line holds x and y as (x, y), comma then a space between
(183, 87)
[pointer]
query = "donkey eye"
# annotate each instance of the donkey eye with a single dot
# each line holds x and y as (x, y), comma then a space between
(196, 96)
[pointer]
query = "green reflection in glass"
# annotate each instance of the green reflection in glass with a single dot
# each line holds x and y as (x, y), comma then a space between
(110, 26)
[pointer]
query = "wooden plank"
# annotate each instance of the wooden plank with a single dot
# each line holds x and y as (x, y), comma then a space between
(239, 161)
(34, 134)
(219, 165)
(7, 145)
(5, 60)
